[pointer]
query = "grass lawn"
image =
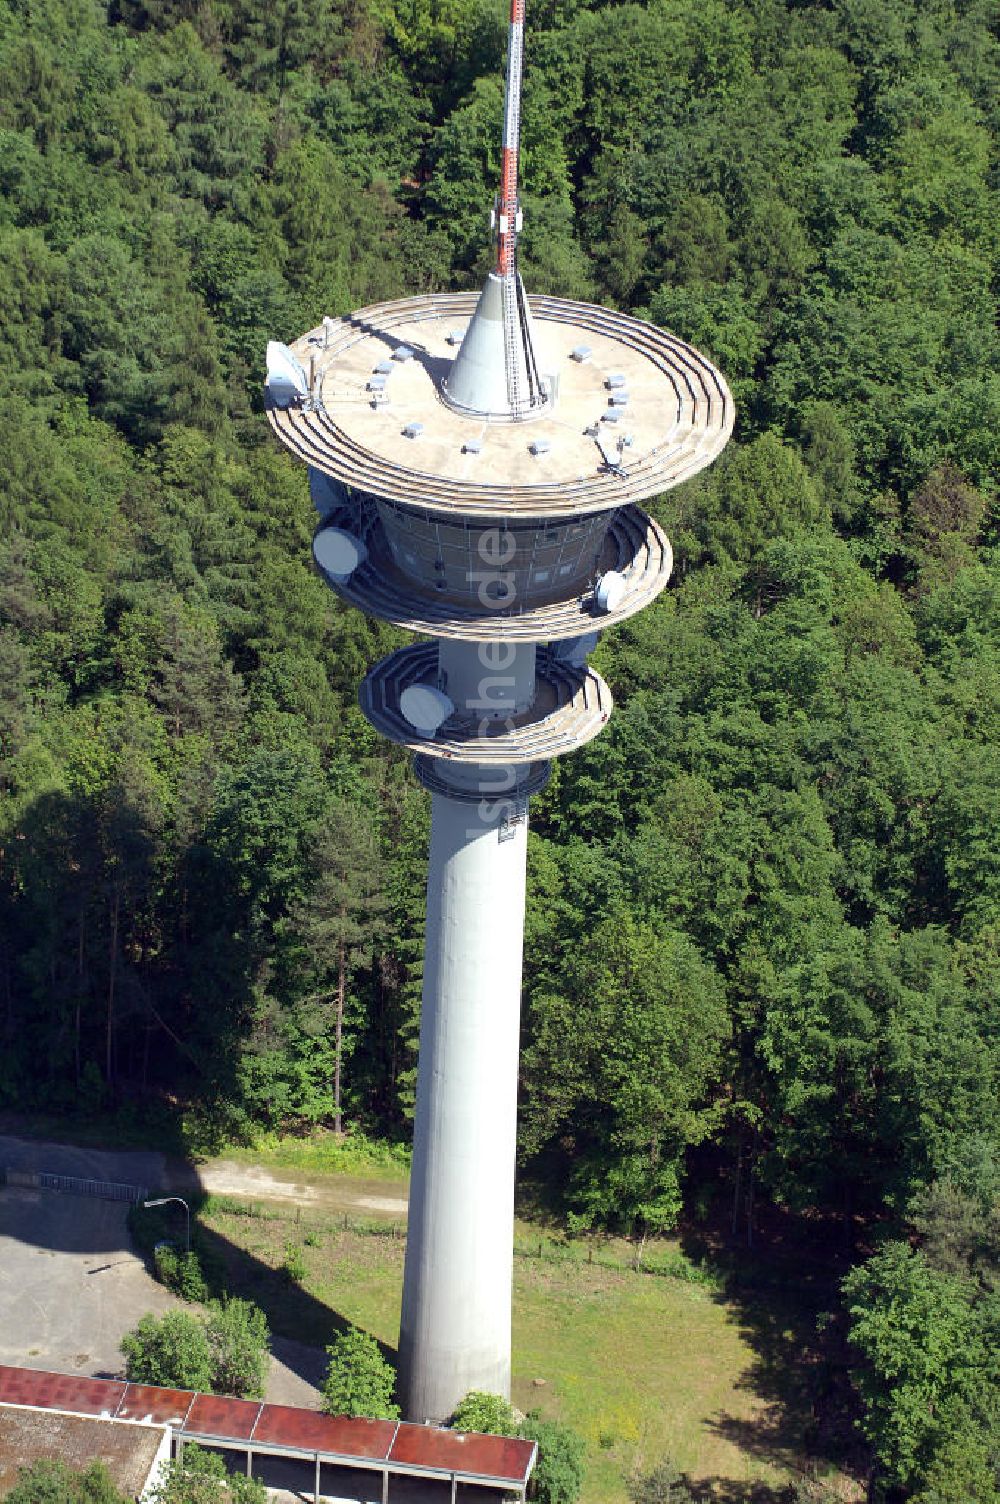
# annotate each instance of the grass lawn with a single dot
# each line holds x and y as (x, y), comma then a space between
(323, 1153)
(641, 1364)
(643, 1367)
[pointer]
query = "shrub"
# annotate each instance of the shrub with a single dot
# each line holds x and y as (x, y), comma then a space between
(238, 1338)
(200, 1478)
(809, 1491)
(181, 1272)
(173, 1351)
(166, 1262)
(663, 1484)
(359, 1381)
(53, 1482)
(480, 1411)
(191, 1282)
(558, 1474)
(295, 1263)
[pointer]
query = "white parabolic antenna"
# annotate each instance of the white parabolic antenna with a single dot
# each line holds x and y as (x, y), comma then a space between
(338, 553)
(425, 707)
(611, 590)
(286, 380)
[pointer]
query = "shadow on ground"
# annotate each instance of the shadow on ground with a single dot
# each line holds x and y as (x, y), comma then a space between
(288, 1306)
(778, 1292)
(726, 1491)
(784, 1293)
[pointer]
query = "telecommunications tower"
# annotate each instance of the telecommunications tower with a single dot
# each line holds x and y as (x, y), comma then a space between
(476, 463)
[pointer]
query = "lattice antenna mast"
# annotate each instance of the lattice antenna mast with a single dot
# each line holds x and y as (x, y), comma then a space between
(519, 354)
(508, 209)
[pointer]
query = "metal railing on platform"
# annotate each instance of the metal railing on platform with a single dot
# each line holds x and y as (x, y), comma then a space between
(76, 1185)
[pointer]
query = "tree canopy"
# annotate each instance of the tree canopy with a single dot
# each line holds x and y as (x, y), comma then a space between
(359, 1380)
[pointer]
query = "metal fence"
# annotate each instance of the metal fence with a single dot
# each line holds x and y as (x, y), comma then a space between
(75, 1185)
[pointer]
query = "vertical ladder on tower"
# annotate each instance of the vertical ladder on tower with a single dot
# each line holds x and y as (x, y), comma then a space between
(512, 342)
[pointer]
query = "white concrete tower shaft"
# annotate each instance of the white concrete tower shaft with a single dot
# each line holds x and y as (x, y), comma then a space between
(455, 1324)
(455, 1319)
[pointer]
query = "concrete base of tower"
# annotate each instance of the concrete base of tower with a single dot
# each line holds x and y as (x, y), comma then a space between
(455, 1322)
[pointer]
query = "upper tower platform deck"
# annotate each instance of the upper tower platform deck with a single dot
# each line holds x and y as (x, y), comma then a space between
(376, 420)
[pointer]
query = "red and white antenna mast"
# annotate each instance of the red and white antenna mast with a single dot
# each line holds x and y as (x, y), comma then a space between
(524, 389)
(496, 371)
(508, 210)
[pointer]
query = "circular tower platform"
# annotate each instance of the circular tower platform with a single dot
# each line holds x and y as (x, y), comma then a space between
(375, 419)
(477, 528)
(634, 545)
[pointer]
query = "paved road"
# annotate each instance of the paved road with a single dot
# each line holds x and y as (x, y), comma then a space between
(225, 1177)
(134, 1167)
(71, 1285)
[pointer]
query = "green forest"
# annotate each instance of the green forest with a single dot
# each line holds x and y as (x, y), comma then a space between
(764, 906)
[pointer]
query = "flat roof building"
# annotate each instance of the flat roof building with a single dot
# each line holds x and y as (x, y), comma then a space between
(388, 1451)
(132, 1453)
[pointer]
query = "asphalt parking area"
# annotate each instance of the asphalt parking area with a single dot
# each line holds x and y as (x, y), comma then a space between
(70, 1283)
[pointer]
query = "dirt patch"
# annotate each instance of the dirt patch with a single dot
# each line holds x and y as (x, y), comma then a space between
(335, 1193)
(340, 1193)
(391, 1205)
(226, 1178)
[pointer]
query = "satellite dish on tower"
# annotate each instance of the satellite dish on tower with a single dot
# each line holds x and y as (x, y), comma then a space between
(425, 707)
(611, 590)
(286, 380)
(338, 553)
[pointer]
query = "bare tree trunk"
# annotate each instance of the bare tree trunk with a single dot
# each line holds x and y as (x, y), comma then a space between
(8, 994)
(338, 1121)
(393, 1043)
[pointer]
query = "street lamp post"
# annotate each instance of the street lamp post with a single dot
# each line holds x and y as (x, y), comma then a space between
(162, 1201)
